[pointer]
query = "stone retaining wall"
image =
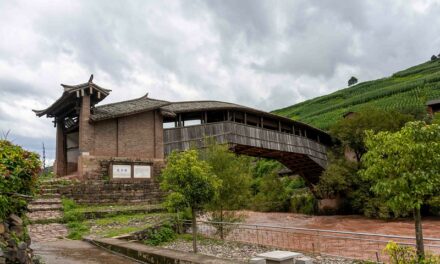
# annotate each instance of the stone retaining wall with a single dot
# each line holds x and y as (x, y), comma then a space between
(148, 254)
(114, 191)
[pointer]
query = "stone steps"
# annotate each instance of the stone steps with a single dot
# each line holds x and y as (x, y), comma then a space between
(45, 217)
(44, 207)
(48, 201)
(49, 195)
(48, 190)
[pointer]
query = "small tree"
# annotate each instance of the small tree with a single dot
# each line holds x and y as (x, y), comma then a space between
(352, 81)
(433, 58)
(351, 131)
(235, 173)
(190, 182)
(405, 169)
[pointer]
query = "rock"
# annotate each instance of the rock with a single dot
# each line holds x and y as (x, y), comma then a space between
(21, 256)
(257, 260)
(16, 220)
(2, 228)
(2, 260)
(22, 245)
(18, 230)
(304, 260)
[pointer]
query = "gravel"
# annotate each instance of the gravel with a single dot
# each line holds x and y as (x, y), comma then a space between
(239, 251)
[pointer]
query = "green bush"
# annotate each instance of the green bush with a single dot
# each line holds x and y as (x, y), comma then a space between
(303, 202)
(19, 170)
(160, 235)
(407, 255)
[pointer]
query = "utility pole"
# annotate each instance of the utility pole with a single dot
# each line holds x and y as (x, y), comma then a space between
(44, 159)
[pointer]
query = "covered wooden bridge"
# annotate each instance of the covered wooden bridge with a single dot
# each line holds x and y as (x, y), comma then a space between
(248, 131)
(146, 129)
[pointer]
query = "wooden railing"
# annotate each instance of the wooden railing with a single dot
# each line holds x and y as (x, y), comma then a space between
(183, 138)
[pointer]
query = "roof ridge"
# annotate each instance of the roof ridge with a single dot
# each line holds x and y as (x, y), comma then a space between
(132, 100)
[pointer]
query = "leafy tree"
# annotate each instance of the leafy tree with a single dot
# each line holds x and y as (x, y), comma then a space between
(350, 131)
(261, 168)
(235, 173)
(338, 178)
(404, 167)
(352, 81)
(271, 196)
(433, 58)
(191, 184)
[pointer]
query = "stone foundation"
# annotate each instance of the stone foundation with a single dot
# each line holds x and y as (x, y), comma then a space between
(98, 167)
(114, 191)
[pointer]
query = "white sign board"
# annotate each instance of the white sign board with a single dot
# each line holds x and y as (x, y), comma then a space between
(122, 171)
(142, 171)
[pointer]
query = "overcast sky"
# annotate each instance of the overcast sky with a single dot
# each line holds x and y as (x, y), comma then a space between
(263, 54)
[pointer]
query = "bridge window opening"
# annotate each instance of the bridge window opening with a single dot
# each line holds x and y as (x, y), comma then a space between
(170, 124)
(252, 120)
(270, 124)
(216, 116)
(239, 117)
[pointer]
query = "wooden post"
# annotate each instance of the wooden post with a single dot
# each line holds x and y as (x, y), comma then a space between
(227, 116)
(261, 122)
(233, 116)
(279, 125)
(206, 117)
(245, 118)
(305, 132)
(293, 129)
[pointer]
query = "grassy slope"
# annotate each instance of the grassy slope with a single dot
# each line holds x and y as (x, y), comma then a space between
(407, 89)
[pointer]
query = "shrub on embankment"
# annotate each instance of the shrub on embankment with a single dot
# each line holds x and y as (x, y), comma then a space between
(18, 175)
(19, 170)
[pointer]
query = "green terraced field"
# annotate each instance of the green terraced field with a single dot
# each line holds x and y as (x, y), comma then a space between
(404, 90)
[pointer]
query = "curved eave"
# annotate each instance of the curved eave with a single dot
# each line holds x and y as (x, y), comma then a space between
(74, 88)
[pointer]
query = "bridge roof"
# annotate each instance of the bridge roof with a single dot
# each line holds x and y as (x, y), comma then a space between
(145, 103)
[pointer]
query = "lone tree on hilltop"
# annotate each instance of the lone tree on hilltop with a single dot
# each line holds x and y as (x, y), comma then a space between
(404, 168)
(190, 183)
(353, 80)
(433, 57)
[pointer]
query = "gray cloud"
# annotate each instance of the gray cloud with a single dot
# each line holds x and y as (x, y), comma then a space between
(264, 54)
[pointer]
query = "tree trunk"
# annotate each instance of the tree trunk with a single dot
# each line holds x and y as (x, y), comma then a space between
(221, 224)
(194, 229)
(419, 233)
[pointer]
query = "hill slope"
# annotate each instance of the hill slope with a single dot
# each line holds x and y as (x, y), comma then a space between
(405, 90)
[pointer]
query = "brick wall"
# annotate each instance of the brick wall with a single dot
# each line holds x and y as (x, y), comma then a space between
(136, 136)
(105, 138)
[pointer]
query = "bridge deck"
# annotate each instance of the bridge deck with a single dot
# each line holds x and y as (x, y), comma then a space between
(300, 154)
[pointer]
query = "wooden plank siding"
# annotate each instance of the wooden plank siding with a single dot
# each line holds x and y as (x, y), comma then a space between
(240, 134)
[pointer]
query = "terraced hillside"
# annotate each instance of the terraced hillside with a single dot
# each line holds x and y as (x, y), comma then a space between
(407, 90)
